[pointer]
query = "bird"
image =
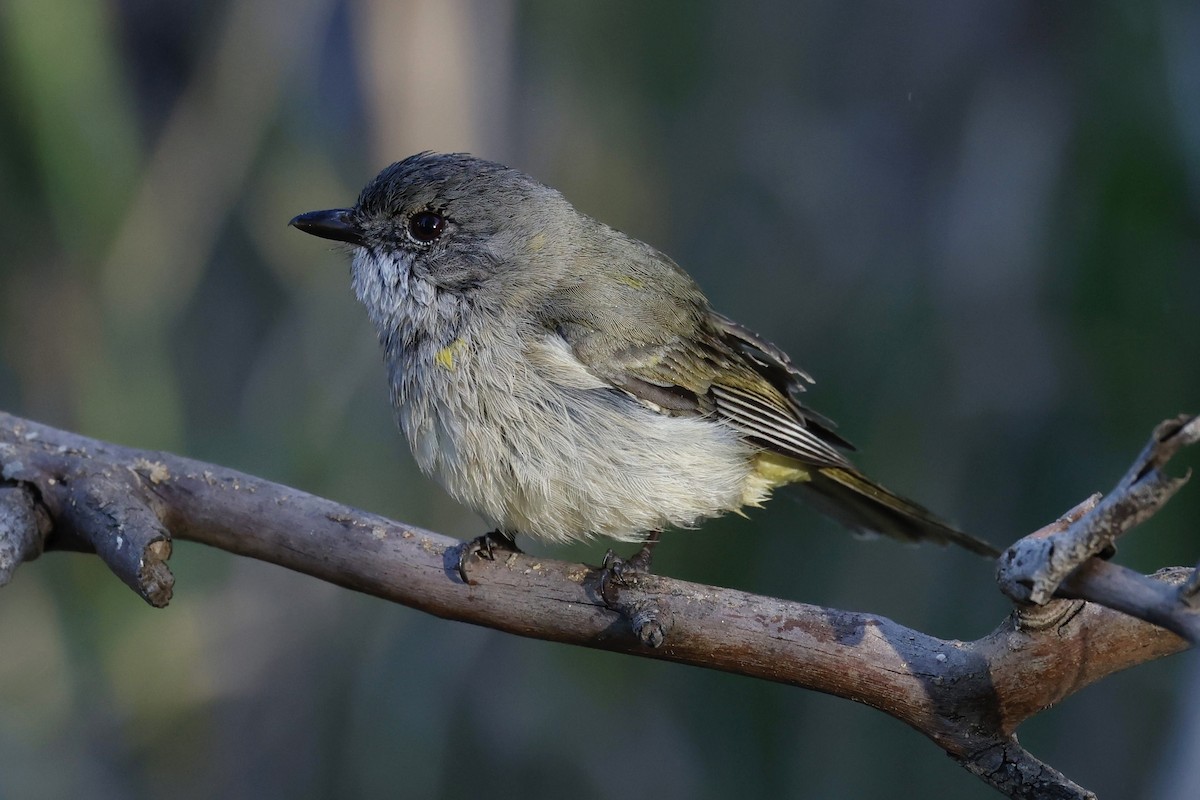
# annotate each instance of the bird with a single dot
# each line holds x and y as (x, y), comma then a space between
(567, 381)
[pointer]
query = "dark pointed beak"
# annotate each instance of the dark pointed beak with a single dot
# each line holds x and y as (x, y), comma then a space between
(337, 224)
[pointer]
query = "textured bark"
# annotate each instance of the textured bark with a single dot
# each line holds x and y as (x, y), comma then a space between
(1033, 569)
(968, 697)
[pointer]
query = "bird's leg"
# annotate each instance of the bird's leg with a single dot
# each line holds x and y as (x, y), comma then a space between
(485, 547)
(616, 571)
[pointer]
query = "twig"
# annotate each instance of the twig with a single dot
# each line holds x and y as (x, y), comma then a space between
(99, 507)
(23, 528)
(1189, 592)
(1135, 594)
(1012, 770)
(1033, 569)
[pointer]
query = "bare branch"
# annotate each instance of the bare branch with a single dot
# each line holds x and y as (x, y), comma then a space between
(968, 697)
(98, 507)
(1135, 594)
(23, 528)
(1033, 569)
(1011, 769)
(1190, 591)
(1120, 588)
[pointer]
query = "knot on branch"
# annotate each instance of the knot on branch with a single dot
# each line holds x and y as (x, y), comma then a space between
(650, 619)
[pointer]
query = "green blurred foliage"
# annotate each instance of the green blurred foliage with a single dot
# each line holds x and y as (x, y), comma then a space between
(975, 223)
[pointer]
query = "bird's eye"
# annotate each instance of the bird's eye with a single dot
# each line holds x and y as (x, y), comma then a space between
(426, 226)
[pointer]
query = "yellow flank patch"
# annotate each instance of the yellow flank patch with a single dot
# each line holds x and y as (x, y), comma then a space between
(631, 282)
(776, 470)
(537, 242)
(771, 471)
(445, 356)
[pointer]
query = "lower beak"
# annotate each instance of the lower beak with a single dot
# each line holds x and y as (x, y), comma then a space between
(337, 224)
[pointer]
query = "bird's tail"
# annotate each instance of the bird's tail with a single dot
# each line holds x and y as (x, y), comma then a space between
(852, 499)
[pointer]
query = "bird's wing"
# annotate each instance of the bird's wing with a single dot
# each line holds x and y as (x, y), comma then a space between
(668, 349)
(776, 367)
(706, 373)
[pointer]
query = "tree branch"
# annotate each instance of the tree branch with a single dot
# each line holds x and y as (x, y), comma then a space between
(23, 529)
(968, 697)
(1061, 559)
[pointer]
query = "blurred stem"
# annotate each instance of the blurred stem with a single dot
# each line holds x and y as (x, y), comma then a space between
(185, 196)
(65, 76)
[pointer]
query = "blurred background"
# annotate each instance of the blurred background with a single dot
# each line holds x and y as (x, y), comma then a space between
(975, 223)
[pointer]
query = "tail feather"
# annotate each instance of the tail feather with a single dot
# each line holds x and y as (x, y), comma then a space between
(852, 499)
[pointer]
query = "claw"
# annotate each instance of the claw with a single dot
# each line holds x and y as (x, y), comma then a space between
(617, 571)
(612, 571)
(485, 547)
(649, 617)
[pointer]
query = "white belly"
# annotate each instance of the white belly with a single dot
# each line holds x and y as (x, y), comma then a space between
(560, 462)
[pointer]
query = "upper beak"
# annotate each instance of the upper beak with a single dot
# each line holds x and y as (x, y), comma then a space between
(337, 224)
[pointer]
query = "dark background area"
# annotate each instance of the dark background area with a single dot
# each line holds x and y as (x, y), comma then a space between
(974, 223)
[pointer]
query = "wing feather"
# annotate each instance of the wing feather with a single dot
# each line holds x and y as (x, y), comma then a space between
(768, 422)
(750, 388)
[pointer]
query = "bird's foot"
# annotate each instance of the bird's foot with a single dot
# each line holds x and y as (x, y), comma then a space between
(648, 617)
(616, 571)
(485, 547)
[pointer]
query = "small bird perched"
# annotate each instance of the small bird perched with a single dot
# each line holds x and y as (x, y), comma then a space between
(566, 381)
